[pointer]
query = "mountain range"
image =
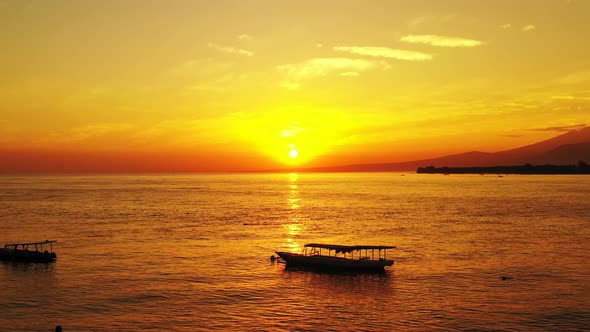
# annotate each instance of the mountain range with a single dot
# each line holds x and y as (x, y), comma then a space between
(565, 149)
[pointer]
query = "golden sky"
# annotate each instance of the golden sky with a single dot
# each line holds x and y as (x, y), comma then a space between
(238, 85)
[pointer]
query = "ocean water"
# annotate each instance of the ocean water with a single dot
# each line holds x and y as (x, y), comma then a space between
(191, 252)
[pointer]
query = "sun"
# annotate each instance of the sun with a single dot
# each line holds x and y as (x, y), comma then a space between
(293, 153)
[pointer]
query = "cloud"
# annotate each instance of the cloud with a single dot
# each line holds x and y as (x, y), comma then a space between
(565, 97)
(292, 131)
(350, 74)
(385, 52)
(419, 20)
(529, 27)
(318, 67)
(575, 78)
(231, 50)
(244, 37)
(562, 128)
(506, 26)
(442, 41)
(290, 85)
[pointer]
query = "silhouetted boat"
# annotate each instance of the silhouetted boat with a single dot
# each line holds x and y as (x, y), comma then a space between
(339, 257)
(19, 252)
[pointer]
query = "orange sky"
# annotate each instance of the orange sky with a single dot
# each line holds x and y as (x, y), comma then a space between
(140, 86)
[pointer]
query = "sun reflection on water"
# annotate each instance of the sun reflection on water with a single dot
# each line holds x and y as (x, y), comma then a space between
(294, 225)
(294, 198)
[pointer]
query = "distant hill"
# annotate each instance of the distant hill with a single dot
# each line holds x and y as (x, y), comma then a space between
(564, 155)
(541, 152)
(568, 148)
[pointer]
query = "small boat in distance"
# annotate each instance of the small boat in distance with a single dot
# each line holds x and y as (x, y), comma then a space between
(339, 257)
(23, 252)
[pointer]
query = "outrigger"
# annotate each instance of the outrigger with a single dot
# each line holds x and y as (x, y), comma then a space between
(23, 252)
(334, 256)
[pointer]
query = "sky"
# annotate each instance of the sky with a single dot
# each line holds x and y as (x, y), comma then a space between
(215, 86)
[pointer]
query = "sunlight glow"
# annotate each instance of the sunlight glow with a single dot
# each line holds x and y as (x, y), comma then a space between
(284, 131)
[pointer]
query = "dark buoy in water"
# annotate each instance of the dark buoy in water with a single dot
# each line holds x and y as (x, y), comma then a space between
(272, 258)
(58, 328)
(505, 278)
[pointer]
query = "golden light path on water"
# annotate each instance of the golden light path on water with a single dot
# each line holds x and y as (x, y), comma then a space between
(294, 201)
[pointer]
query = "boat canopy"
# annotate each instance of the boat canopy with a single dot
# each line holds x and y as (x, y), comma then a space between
(28, 244)
(345, 249)
(25, 246)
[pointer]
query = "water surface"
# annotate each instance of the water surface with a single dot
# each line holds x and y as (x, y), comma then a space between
(191, 252)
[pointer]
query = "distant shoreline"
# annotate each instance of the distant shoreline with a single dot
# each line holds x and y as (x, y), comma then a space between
(580, 168)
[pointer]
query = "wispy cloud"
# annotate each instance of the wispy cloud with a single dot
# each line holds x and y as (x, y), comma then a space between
(318, 67)
(506, 26)
(562, 128)
(563, 97)
(385, 52)
(244, 37)
(580, 98)
(231, 50)
(529, 27)
(291, 85)
(442, 41)
(575, 78)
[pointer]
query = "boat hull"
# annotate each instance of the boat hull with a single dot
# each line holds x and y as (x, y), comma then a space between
(11, 255)
(333, 263)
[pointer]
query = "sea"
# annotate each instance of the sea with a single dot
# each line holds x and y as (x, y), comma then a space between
(192, 252)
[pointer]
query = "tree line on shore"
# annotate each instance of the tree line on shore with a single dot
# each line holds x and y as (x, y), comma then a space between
(581, 168)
